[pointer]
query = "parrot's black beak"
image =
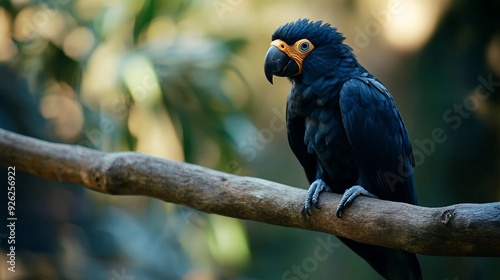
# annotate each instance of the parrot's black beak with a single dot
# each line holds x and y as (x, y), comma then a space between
(280, 64)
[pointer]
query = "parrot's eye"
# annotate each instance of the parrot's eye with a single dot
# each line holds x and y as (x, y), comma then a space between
(304, 46)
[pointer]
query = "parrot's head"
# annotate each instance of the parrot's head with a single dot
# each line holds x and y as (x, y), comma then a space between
(305, 49)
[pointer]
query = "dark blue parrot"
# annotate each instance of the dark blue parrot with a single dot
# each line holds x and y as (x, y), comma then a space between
(345, 130)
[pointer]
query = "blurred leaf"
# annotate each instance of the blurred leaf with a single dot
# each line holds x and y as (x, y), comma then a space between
(228, 242)
(144, 18)
(191, 72)
(236, 44)
(177, 8)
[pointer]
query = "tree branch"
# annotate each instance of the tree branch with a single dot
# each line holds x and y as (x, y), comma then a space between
(462, 229)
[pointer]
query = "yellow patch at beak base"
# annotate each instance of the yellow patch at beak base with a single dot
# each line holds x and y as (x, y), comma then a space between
(294, 51)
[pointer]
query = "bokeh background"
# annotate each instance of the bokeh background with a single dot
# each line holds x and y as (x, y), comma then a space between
(184, 80)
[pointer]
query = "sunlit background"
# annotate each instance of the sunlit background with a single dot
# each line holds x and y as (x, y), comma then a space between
(183, 80)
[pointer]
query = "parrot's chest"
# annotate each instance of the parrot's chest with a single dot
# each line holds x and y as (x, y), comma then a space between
(325, 134)
(322, 116)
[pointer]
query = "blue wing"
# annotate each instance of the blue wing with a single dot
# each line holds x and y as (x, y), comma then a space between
(379, 138)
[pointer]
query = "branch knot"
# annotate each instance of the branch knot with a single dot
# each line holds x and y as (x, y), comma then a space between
(446, 216)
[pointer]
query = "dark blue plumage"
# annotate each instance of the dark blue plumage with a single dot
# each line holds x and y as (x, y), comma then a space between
(345, 129)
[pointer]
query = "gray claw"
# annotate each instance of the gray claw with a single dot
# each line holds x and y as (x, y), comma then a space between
(313, 192)
(349, 195)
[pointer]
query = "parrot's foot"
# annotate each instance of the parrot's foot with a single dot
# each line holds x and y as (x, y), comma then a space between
(349, 196)
(312, 197)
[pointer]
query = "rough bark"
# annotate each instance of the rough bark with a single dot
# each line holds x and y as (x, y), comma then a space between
(462, 229)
